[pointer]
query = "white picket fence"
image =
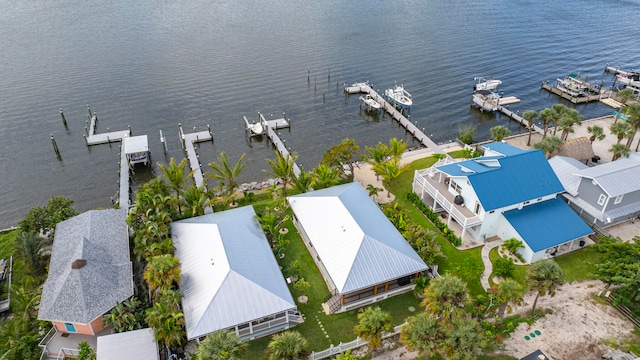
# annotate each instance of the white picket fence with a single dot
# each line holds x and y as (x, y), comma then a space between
(357, 343)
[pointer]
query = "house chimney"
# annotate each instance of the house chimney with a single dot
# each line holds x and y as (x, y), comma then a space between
(78, 263)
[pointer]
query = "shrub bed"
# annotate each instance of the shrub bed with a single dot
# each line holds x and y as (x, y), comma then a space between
(433, 217)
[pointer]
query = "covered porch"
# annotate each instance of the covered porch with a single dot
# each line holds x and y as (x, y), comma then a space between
(60, 345)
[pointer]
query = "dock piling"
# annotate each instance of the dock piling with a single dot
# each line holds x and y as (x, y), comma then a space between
(89, 110)
(64, 121)
(130, 132)
(308, 76)
(55, 146)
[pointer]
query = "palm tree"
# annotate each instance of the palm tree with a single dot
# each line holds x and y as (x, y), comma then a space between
(619, 150)
(162, 272)
(547, 117)
(390, 170)
(446, 296)
(325, 176)
(633, 118)
(226, 174)
(569, 118)
(372, 321)
(424, 243)
(397, 147)
(422, 334)
(625, 95)
(597, 133)
(195, 199)
(303, 181)
(29, 247)
(529, 115)
(271, 222)
(166, 319)
(558, 111)
(508, 291)
(498, 133)
(549, 145)
(125, 316)
(377, 155)
(621, 130)
(373, 190)
(544, 277)
(221, 345)
(175, 174)
(289, 345)
(462, 338)
(343, 155)
(282, 168)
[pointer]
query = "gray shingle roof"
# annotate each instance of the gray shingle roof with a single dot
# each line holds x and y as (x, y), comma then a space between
(229, 275)
(356, 242)
(81, 295)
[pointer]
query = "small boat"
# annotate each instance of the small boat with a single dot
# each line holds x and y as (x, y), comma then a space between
(486, 100)
(256, 129)
(481, 83)
(629, 78)
(372, 105)
(398, 96)
(573, 85)
(356, 87)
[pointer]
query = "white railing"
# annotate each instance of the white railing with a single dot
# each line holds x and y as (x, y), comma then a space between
(64, 353)
(45, 340)
(357, 343)
(269, 324)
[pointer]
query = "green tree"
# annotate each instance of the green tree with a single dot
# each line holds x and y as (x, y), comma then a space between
(325, 176)
(568, 118)
(166, 319)
(547, 117)
(175, 175)
(466, 133)
(509, 290)
(422, 334)
(625, 95)
(620, 266)
(390, 170)
(529, 115)
(282, 168)
(125, 316)
(162, 272)
(549, 145)
(43, 220)
(633, 118)
(424, 242)
(303, 181)
(195, 199)
(28, 247)
(397, 147)
(86, 352)
(503, 267)
(498, 133)
(619, 150)
(289, 345)
(271, 222)
(544, 277)
(597, 133)
(221, 345)
(512, 245)
(446, 296)
(226, 174)
(621, 130)
(462, 337)
(373, 190)
(372, 321)
(345, 154)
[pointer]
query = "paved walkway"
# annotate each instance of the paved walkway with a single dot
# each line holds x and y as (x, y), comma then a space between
(488, 267)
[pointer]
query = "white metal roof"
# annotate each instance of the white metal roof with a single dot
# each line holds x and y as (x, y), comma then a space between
(229, 275)
(355, 241)
(136, 344)
(136, 144)
(617, 177)
(566, 170)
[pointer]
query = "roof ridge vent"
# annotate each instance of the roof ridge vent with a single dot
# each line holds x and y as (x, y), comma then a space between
(78, 263)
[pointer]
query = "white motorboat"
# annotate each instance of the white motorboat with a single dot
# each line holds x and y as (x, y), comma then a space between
(371, 104)
(629, 78)
(486, 100)
(398, 96)
(356, 87)
(481, 83)
(256, 129)
(573, 86)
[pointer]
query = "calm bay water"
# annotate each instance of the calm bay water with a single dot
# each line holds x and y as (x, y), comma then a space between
(154, 64)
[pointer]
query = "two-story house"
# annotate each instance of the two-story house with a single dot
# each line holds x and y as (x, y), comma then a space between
(605, 194)
(507, 193)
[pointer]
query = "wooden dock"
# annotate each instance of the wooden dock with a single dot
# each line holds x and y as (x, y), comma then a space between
(91, 138)
(401, 119)
(188, 145)
(576, 99)
(271, 127)
(519, 119)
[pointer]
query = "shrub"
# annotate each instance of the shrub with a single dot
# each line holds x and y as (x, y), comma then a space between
(503, 267)
(433, 217)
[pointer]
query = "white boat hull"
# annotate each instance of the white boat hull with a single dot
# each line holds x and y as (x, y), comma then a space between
(399, 97)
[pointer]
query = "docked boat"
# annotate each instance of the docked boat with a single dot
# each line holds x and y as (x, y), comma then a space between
(573, 85)
(629, 78)
(356, 87)
(256, 129)
(398, 96)
(481, 83)
(371, 104)
(486, 100)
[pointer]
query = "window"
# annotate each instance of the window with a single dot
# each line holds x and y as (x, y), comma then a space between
(456, 187)
(602, 199)
(618, 199)
(70, 327)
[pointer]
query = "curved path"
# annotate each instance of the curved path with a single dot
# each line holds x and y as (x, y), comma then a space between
(488, 267)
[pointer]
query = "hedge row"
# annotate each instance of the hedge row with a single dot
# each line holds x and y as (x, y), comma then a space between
(433, 217)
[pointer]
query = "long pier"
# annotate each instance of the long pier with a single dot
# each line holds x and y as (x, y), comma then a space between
(91, 138)
(272, 126)
(516, 117)
(188, 141)
(576, 99)
(398, 116)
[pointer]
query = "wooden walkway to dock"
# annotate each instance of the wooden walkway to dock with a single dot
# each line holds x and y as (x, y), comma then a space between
(517, 118)
(579, 99)
(271, 127)
(401, 119)
(188, 145)
(91, 138)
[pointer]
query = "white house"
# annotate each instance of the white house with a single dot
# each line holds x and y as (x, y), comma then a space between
(361, 255)
(230, 279)
(507, 193)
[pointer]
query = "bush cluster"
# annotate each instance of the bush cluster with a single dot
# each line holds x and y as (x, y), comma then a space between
(433, 217)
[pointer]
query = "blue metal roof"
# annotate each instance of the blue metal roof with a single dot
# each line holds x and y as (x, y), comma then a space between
(508, 180)
(546, 224)
(503, 148)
